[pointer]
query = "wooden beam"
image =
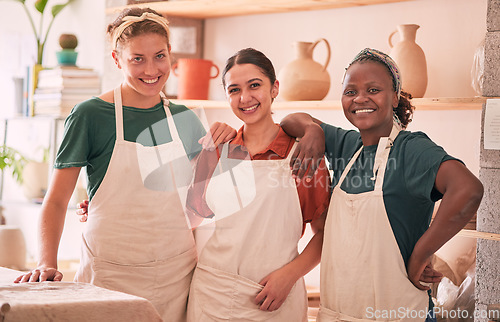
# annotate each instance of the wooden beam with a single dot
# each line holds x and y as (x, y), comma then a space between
(203, 9)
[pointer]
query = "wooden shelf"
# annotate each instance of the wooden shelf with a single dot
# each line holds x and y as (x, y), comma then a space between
(450, 103)
(431, 104)
(202, 9)
(479, 234)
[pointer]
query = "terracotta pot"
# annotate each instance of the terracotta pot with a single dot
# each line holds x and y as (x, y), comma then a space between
(410, 59)
(35, 179)
(304, 79)
(194, 77)
(12, 248)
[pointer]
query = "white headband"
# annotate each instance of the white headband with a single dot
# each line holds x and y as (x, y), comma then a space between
(129, 20)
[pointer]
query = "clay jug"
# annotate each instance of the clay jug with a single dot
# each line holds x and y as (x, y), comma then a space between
(304, 79)
(410, 59)
(194, 77)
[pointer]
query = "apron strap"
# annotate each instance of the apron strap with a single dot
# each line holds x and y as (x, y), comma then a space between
(173, 133)
(292, 150)
(170, 119)
(224, 153)
(382, 155)
(118, 113)
(224, 156)
(348, 167)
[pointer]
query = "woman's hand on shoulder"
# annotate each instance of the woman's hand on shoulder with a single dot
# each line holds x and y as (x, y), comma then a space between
(40, 274)
(309, 152)
(219, 133)
(82, 210)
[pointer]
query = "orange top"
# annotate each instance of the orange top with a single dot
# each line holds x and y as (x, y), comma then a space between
(314, 196)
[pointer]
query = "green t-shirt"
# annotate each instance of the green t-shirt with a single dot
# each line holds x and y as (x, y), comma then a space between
(408, 189)
(90, 134)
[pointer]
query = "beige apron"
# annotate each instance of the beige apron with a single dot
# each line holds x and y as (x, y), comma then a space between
(137, 239)
(363, 275)
(248, 244)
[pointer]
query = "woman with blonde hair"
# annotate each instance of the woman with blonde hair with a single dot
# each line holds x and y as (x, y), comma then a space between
(136, 147)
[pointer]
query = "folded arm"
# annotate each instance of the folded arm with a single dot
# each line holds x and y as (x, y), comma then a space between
(311, 147)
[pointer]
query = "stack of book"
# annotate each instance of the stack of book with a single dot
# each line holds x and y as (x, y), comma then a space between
(61, 88)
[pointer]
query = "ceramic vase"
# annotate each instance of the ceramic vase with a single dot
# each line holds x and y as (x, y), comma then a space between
(304, 79)
(194, 77)
(410, 59)
(12, 248)
(35, 179)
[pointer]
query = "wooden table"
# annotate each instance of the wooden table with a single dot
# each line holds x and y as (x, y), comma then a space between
(68, 301)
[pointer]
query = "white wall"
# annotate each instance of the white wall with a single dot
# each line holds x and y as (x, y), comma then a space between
(84, 18)
(449, 34)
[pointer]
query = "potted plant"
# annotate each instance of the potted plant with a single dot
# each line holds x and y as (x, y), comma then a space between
(15, 161)
(31, 175)
(41, 40)
(67, 56)
(12, 243)
(40, 36)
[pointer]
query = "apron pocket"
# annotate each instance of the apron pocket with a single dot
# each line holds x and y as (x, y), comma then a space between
(134, 279)
(145, 279)
(225, 296)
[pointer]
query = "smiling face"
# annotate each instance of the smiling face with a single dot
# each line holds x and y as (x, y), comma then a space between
(368, 99)
(145, 62)
(250, 93)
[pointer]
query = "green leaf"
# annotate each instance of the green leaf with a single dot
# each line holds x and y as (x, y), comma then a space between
(40, 5)
(58, 7)
(17, 172)
(13, 159)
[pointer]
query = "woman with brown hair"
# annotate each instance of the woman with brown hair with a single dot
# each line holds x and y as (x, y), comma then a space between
(250, 268)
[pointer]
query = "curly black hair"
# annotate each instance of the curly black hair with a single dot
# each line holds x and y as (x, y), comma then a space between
(405, 109)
